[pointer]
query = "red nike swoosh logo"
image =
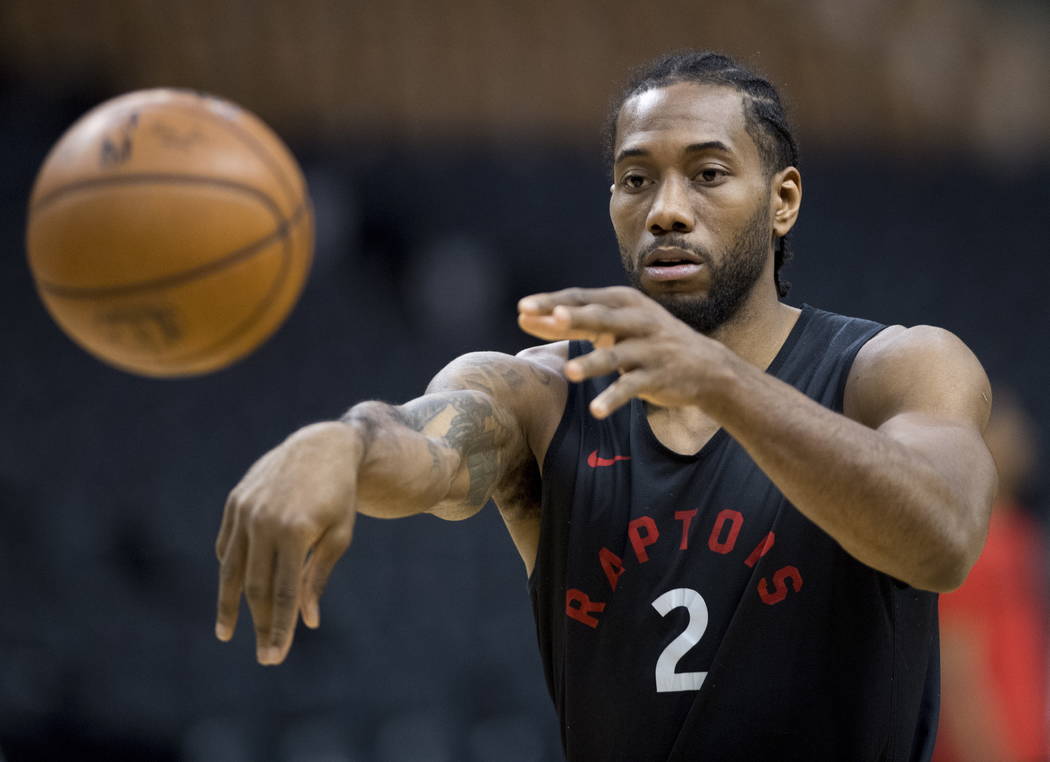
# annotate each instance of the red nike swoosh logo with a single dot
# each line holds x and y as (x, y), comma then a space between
(594, 461)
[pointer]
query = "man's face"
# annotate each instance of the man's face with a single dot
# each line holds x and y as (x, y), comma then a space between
(691, 201)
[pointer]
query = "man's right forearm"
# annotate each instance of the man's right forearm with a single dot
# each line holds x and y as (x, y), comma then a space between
(403, 471)
(439, 453)
(291, 516)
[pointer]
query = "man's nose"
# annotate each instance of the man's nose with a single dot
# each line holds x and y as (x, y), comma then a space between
(671, 211)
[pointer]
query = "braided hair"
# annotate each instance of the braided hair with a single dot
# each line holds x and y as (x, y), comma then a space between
(764, 117)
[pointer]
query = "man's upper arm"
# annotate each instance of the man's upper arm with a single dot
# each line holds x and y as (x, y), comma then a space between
(486, 406)
(922, 369)
(925, 389)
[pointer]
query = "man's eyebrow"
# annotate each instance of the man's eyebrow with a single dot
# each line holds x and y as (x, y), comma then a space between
(628, 152)
(718, 145)
(707, 145)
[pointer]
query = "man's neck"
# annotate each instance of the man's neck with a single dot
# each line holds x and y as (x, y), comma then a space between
(756, 333)
(759, 328)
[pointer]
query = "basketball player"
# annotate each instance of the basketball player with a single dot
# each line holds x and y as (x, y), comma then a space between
(736, 515)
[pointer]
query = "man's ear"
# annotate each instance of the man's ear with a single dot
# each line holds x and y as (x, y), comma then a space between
(786, 199)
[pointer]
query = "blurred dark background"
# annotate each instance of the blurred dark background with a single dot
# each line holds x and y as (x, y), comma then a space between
(452, 151)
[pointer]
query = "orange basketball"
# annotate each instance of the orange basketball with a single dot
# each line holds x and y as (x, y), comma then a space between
(170, 232)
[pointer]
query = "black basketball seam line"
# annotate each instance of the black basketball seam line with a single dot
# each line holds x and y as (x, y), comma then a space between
(246, 138)
(90, 292)
(252, 144)
(236, 332)
(234, 257)
(151, 177)
(239, 134)
(256, 314)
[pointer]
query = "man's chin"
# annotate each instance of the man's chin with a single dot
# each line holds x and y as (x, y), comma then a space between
(699, 312)
(665, 294)
(696, 313)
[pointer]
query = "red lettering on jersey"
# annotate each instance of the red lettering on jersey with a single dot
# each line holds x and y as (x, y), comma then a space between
(612, 565)
(638, 541)
(737, 519)
(761, 549)
(582, 612)
(686, 517)
(780, 587)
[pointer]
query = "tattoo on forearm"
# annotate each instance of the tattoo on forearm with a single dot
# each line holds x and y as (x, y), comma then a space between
(484, 375)
(435, 456)
(458, 413)
(472, 432)
(364, 419)
(539, 375)
(422, 411)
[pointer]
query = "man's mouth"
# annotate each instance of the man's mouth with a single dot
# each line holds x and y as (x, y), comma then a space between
(671, 255)
(671, 263)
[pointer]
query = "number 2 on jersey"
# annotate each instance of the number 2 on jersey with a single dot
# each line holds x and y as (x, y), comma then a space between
(667, 680)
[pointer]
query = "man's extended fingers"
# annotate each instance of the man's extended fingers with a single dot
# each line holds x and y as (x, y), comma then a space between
(550, 328)
(595, 319)
(291, 555)
(231, 582)
(225, 529)
(327, 552)
(624, 356)
(592, 322)
(258, 589)
(613, 296)
(619, 393)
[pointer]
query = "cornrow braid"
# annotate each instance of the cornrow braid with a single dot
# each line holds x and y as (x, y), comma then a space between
(764, 116)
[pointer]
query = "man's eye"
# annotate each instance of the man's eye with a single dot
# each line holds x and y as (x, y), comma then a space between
(634, 182)
(711, 175)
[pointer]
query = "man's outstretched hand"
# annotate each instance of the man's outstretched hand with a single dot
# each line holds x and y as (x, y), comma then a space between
(660, 359)
(285, 525)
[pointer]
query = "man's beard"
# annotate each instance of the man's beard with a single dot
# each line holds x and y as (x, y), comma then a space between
(731, 281)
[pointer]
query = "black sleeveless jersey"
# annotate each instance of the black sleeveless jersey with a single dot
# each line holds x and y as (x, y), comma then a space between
(686, 610)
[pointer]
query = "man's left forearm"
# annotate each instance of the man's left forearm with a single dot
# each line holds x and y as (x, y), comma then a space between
(888, 503)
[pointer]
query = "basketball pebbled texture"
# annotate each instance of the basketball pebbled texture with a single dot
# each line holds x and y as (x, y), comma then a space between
(170, 232)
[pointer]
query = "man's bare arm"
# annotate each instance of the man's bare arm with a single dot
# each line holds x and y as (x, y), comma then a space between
(291, 517)
(903, 481)
(466, 427)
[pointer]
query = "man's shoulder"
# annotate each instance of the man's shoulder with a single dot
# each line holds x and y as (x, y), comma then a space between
(921, 367)
(898, 345)
(530, 384)
(492, 372)
(550, 356)
(893, 342)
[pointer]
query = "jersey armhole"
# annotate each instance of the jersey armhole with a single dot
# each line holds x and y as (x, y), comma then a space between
(848, 358)
(576, 348)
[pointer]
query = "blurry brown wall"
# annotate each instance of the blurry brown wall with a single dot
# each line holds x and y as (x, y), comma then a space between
(910, 75)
